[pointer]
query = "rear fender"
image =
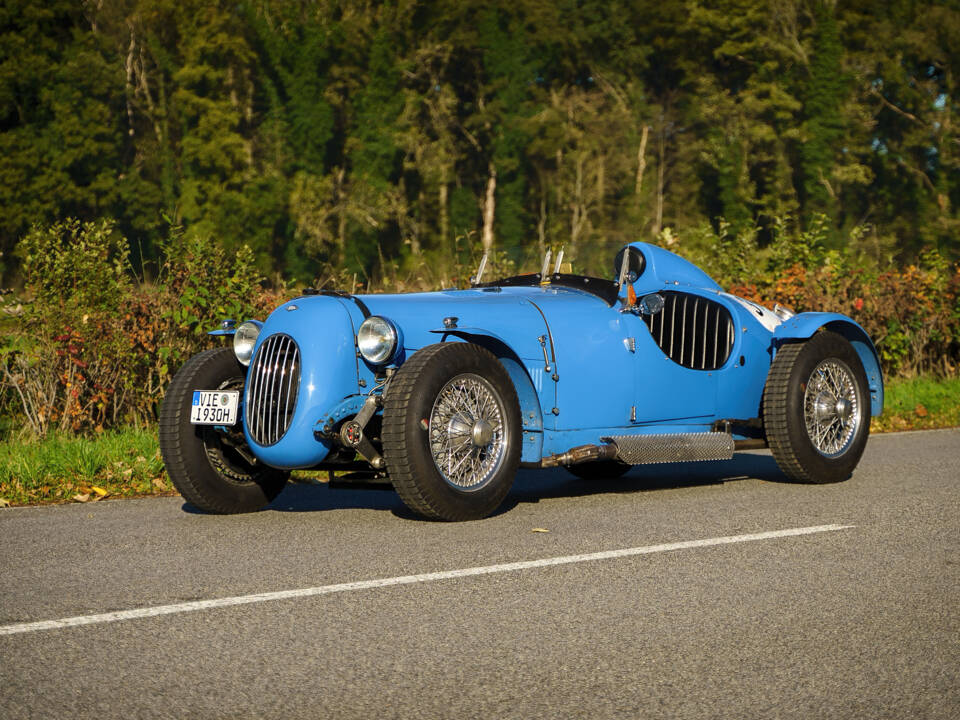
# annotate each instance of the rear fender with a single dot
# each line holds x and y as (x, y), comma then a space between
(804, 325)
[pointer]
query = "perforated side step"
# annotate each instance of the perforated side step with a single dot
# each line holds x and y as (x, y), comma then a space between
(670, 447)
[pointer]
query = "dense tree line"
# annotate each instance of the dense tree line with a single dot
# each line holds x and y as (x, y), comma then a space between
(352, 134)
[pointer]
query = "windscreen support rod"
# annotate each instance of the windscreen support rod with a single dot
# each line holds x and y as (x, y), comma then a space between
(475, 280)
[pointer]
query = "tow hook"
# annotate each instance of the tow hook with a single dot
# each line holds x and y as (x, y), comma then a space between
(352, 435)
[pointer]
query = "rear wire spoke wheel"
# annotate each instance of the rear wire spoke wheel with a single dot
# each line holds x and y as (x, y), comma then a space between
(816, 409)
(212, 470)
(451, 432)
(830, 408)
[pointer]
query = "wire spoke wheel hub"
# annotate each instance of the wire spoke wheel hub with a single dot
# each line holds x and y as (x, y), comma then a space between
(831, 407)
(466, 431)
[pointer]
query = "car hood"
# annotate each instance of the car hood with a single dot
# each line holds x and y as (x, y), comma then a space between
(515, 315)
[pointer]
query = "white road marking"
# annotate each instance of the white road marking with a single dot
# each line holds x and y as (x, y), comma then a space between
(403, 580)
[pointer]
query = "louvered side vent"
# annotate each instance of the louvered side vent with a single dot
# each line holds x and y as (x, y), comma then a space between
(272, 384)
(693, 331)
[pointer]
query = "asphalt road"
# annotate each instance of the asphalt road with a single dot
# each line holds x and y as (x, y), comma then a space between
(858, 622)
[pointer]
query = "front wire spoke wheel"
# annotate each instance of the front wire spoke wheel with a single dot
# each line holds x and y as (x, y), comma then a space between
(452, 431)
(465, 429)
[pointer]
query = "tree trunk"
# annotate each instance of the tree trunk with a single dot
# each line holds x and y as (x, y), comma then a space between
(601, 183)
(444, 217)
(340, 202)
(415, 226)
(577, 209)
(542, 224)
(129, 88)
(489, 208)
(661, 161)
(641, 159)
(559, 183)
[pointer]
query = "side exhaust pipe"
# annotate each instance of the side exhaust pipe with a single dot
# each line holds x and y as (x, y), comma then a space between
(581, 454)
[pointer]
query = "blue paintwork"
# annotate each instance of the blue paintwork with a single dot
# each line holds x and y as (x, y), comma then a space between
(666, 268)
(595, 385)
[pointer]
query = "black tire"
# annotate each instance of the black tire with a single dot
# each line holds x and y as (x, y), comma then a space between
(414, 427)
(787, 408)
(599, 470)
(203, 465)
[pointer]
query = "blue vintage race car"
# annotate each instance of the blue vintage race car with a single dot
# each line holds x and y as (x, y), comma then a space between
(448, 393)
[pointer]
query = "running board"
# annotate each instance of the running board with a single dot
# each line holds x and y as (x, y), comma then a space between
(673, 447)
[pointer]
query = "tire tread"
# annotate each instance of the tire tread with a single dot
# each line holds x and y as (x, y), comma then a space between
(775, 419)
(789, 444)
(397, 443)
(175, 455)
(395, 439)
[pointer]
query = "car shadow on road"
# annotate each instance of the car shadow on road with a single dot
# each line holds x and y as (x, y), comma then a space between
(534, 485)
(531, 486)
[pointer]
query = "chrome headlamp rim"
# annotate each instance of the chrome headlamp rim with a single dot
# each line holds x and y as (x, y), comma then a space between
(244, 340)
(377, 340)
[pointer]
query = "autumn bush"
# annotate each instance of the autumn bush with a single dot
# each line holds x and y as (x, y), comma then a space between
(912, 312)
(89, 345)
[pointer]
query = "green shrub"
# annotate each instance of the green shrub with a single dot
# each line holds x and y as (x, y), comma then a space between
(83, 265)
(911, 313)
(207, 281)
(92, 347)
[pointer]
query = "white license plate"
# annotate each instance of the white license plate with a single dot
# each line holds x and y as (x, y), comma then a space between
(214, 407)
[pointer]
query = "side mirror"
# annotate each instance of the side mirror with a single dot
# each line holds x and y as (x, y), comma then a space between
(651, 304)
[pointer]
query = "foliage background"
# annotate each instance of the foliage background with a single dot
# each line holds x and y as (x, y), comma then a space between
(349, 135)
(164, 164)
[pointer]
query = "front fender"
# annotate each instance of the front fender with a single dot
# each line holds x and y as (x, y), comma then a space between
(804, 325)
(527, 392)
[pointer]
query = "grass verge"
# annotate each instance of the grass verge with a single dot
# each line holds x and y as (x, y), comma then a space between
(122, 463)
(126, 463)
(920, 403)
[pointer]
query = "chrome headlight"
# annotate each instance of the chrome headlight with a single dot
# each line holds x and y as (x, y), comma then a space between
(244, 339)
(377, 340)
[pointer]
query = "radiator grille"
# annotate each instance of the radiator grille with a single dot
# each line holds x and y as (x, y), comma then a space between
(693, 331)
(272, 384)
